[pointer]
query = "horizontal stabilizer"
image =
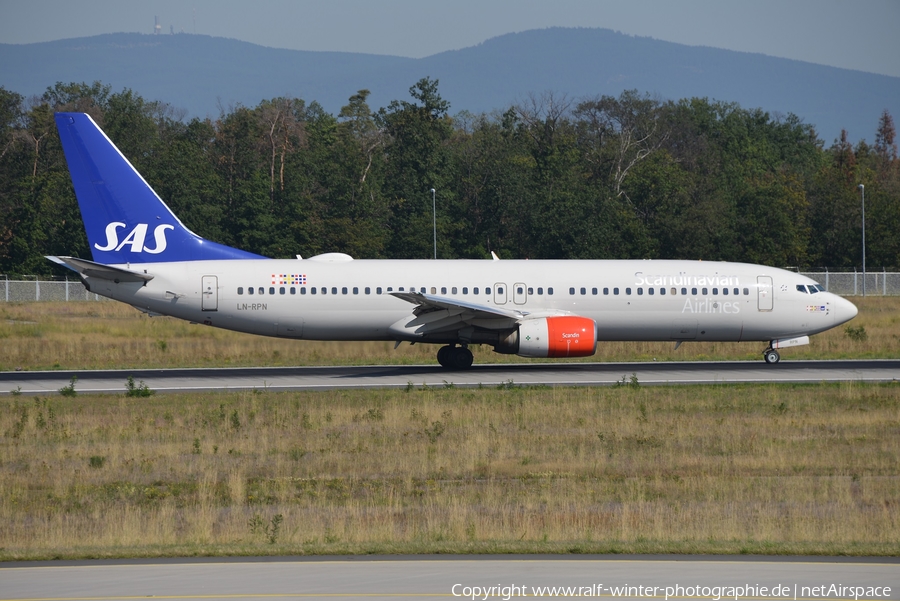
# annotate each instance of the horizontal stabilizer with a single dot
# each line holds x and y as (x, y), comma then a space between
(90, 269)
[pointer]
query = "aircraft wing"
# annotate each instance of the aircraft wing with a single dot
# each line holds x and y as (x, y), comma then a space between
(435, 315)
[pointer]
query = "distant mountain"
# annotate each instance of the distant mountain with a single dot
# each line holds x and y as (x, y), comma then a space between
(201, 73)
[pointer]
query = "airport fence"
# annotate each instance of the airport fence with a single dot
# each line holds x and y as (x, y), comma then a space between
(851, 283)
(32, 288)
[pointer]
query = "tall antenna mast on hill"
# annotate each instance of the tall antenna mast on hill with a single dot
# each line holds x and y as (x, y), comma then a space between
(156, 27)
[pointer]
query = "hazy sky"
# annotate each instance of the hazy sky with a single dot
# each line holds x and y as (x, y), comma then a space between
(858, 34)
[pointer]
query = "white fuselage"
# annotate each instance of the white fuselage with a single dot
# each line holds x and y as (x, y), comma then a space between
(628, 299)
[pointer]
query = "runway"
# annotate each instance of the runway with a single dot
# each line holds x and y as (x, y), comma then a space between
(392, 376)
(428, 577)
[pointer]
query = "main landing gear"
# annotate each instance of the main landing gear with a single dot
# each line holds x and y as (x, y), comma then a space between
(771, 356)
(455, 357)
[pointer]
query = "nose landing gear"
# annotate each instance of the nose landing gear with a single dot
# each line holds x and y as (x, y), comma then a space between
(771, 356)
(455, 357)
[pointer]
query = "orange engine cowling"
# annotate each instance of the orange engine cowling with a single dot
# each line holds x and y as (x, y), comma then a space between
(563, 336)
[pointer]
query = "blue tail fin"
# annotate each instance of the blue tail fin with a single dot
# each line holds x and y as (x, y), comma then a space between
(126, 221)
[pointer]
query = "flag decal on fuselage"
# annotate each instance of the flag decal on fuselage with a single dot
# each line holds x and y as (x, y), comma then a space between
(294, 279)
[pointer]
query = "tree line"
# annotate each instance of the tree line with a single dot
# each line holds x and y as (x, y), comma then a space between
(549, 177)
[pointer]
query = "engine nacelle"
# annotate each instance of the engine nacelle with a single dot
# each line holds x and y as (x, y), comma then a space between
(560, 336)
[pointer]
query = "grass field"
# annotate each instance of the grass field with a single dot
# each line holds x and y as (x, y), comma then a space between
(100, 335)
(811, 469)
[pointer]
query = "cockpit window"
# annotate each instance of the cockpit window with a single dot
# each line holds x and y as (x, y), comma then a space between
(820, 288)
(812, 289)
(801, 288)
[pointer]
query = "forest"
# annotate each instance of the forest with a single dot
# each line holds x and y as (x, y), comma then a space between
(608, 177)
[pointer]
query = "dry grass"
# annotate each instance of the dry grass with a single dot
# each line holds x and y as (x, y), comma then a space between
(97, 335)
(728, 469)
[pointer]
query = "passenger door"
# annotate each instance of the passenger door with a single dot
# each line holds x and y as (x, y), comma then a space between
(210, 293)
(764, 292)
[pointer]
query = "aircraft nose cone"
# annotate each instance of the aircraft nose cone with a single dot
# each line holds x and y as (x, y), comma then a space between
(844, 311)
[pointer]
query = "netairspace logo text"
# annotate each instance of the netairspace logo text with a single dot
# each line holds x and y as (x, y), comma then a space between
(714, 593)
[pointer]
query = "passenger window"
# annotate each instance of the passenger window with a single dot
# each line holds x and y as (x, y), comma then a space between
(736, 291)
(499, 289)
(293, 290)
(343, 290)
(540, 291)
(262, 290)
(488, 291)
(616, 291)
(355, 290)
(606, 291)
(530, 290)
(400, 289)
(628, 291)
(663, 290)
(640, 291)
(725, 291)
(520, 290)
(312, 290)
(378, 290)
(443, 290)
(583, 291)
(422, 290)
(683, 292)
(650, 291)
(303, 291)
(465, 289)
(240, 289)
(281, 290)
(368, 290)
(715, 291)
(550, 291)
(453, 290)
(272, 290)
(674, 291)
(705, 291)
(324, 290)
(746, 292)
(250, 290)
(475, 290)
(571, 291)
(694, 291)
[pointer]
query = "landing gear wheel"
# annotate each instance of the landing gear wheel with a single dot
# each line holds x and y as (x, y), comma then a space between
(771, 356)
(444, 354)
(455, 357)
(462, 358)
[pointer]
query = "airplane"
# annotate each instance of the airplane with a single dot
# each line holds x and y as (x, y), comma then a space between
(144, 256)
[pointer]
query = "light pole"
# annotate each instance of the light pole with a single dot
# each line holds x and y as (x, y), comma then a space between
(862, 193)
(434, 224)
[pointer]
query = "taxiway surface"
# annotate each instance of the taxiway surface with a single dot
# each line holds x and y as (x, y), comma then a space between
(431, 577)
(394, 376)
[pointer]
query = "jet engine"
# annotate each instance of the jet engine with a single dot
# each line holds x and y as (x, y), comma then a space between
(557, 336)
